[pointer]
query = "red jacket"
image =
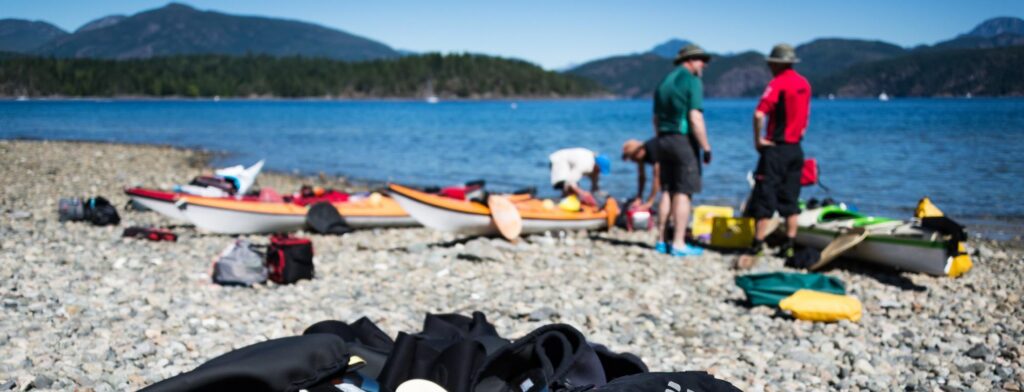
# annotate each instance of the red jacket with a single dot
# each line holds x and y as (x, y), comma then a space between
(787, 102)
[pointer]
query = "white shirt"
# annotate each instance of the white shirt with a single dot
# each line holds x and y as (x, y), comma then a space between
(570, 165)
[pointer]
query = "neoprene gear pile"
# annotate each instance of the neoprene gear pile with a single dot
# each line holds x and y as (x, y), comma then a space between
(459, 353)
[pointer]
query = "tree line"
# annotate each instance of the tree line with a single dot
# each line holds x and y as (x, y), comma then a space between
(446, 76)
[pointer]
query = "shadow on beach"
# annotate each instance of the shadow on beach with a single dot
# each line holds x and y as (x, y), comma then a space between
(881, 274)
(618, 242)
(440, 244)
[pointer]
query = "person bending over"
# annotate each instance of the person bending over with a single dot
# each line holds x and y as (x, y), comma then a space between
(569, 166)
(643, 154)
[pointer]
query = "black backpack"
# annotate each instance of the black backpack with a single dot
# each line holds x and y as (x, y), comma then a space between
(100, 212)
(323, 218)
(289, 259)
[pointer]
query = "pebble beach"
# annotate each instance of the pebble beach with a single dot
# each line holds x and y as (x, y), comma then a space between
(83, 309)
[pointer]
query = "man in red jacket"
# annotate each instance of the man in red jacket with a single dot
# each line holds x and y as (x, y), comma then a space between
(786, 103)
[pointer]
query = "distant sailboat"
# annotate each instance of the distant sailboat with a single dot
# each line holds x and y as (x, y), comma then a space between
(969, 96)
(22, 98)
(883, 96)
(831, 97)
(431, 98)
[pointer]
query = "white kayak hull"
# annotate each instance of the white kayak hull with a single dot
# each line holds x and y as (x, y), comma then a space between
(446, 220)
(466, 223)
(370, 222)
(906, 254)
(899, 244)
(162, 207)
(228, 221)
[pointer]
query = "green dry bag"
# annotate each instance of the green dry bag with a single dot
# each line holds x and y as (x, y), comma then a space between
(770, 288)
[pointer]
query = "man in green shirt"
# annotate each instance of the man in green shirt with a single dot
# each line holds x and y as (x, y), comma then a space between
(679, 125)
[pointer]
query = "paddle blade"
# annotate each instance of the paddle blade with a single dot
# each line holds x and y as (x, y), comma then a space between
(611, 208)
(840, 245)
(505, 217)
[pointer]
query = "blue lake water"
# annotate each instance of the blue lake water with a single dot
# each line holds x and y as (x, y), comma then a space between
(880, 156)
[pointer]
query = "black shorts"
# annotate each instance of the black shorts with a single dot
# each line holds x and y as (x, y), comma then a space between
(680, 168)
(778, 181)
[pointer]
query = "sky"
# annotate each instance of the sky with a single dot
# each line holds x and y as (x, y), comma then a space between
(556, 34)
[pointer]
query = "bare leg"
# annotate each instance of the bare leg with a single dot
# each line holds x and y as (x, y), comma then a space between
(681, 213)
(791, 226)
(664, 207)
(762, 228)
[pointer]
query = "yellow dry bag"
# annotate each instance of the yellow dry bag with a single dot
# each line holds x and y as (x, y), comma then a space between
(818, 306)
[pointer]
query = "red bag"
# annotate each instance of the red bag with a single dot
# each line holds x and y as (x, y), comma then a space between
(152, 234)
(289, 259)
(809, 175)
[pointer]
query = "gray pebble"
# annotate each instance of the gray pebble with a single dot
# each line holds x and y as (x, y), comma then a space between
(42, 382)
(979, 351)
(542, 314)
(975, 368)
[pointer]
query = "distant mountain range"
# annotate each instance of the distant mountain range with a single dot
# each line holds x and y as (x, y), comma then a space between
(993, 33)
(840, 66)
(22, 36)
(178, 29)
(831, 60)
(101, 23)
(670, 48)
(995, 72)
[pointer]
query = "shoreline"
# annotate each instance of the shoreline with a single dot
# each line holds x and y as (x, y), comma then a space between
(83, 308)
(996, 228)
(144, 98)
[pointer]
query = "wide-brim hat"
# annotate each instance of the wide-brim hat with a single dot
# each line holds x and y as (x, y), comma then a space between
(691, 51)
(630, 147)
(783, 54)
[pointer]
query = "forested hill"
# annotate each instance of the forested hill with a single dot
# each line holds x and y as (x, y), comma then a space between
(446, 76)
(996, 72)
(178, 30)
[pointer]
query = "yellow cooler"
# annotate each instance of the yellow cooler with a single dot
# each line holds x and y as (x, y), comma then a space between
(703, 216)
(734, 233)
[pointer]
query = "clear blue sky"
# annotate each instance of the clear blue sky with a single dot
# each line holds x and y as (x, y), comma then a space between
(556, 33)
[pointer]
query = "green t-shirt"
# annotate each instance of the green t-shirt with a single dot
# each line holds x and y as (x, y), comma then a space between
(678, 93)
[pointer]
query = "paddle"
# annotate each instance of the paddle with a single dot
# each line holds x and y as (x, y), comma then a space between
(505, 216)
(611, 210)
(842, 243)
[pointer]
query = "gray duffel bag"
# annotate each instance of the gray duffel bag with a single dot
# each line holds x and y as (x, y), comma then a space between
(240, 265)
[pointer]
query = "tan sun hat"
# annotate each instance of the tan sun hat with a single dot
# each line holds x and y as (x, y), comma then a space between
(629, 148)
(783, 53)
(691, 51)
